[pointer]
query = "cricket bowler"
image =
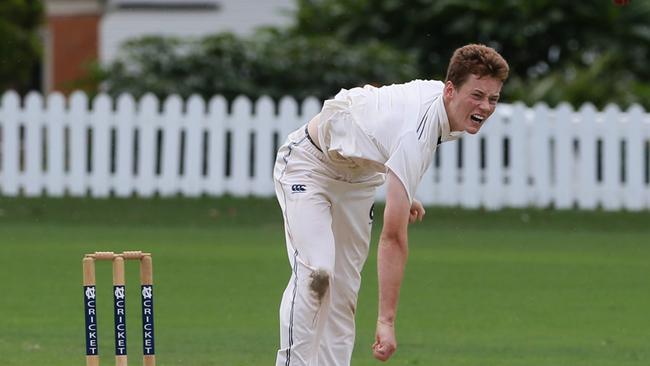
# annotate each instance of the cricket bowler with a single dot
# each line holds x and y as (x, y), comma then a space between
(326, 175)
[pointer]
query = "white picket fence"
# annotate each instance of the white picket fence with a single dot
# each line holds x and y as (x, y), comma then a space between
(537, 157)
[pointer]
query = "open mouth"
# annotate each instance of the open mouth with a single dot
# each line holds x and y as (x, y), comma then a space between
(477, 118)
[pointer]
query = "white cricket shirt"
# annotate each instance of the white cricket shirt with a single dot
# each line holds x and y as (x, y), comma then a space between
(396, 127)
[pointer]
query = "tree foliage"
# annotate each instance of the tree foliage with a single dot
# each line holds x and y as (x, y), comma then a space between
(19, 43)
(271, 62)
(575, 51)
(578, 51)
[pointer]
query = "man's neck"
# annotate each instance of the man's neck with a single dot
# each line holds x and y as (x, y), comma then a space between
(452, 123)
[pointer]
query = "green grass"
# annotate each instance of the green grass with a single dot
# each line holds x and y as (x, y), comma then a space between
(517, 287)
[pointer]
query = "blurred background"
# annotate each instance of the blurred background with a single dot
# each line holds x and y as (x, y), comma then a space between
(153, 125)
(583, 51)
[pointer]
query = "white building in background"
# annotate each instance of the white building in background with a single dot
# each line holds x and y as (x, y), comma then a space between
(79, 32)
(127, 19)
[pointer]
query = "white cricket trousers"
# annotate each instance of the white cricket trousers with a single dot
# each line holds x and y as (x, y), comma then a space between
(327, 218)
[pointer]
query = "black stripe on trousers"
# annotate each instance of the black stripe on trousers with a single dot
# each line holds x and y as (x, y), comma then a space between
(293, 301)
(295, 253)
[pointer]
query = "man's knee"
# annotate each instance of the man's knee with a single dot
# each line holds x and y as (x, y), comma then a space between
(320, 282)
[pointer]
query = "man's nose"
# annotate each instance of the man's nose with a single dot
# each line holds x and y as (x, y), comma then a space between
(485, 106)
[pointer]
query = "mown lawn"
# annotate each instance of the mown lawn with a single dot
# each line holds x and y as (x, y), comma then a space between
(517, 287)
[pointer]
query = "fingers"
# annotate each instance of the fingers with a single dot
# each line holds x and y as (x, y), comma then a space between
(385, 343)
(382, 352)
(420, 213)
(416, 214)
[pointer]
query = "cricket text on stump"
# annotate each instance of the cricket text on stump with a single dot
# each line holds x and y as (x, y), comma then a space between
(119, 306)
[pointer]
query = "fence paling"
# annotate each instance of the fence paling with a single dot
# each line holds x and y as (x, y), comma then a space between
(147, 146)
(99, 138)
(215, 152)
(562, 183)
(492, 193)
(524, 156)
(538, 158)
(54, 126)
(193, 169)
(262, 142)
(634, 162)
(124, 151)
(9, 148)
(586, 195)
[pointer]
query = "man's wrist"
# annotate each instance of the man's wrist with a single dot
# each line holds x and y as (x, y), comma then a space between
(388, 322)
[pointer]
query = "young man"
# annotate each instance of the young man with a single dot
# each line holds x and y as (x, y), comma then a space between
(325, 177)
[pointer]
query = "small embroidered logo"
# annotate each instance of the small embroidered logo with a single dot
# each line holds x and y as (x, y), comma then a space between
(298, 188)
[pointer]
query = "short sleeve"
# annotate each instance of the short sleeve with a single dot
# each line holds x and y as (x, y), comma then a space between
(405, 162)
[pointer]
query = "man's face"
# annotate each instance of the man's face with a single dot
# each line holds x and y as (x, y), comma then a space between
(470, 105)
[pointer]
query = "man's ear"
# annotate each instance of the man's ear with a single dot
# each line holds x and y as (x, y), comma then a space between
(449, 89)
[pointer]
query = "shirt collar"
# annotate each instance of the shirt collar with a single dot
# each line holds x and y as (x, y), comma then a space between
(445, 130)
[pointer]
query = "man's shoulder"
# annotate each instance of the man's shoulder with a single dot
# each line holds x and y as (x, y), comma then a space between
(426, 83)
(414, 89)
(435, 85)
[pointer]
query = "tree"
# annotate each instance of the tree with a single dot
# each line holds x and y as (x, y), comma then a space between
(553, 47)
(20, 48)
(271, 62)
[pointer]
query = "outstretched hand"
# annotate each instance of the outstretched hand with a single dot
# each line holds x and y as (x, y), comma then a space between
(416, 212)
(385, 343)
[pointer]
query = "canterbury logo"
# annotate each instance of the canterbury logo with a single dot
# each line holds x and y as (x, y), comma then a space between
(298, 188)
